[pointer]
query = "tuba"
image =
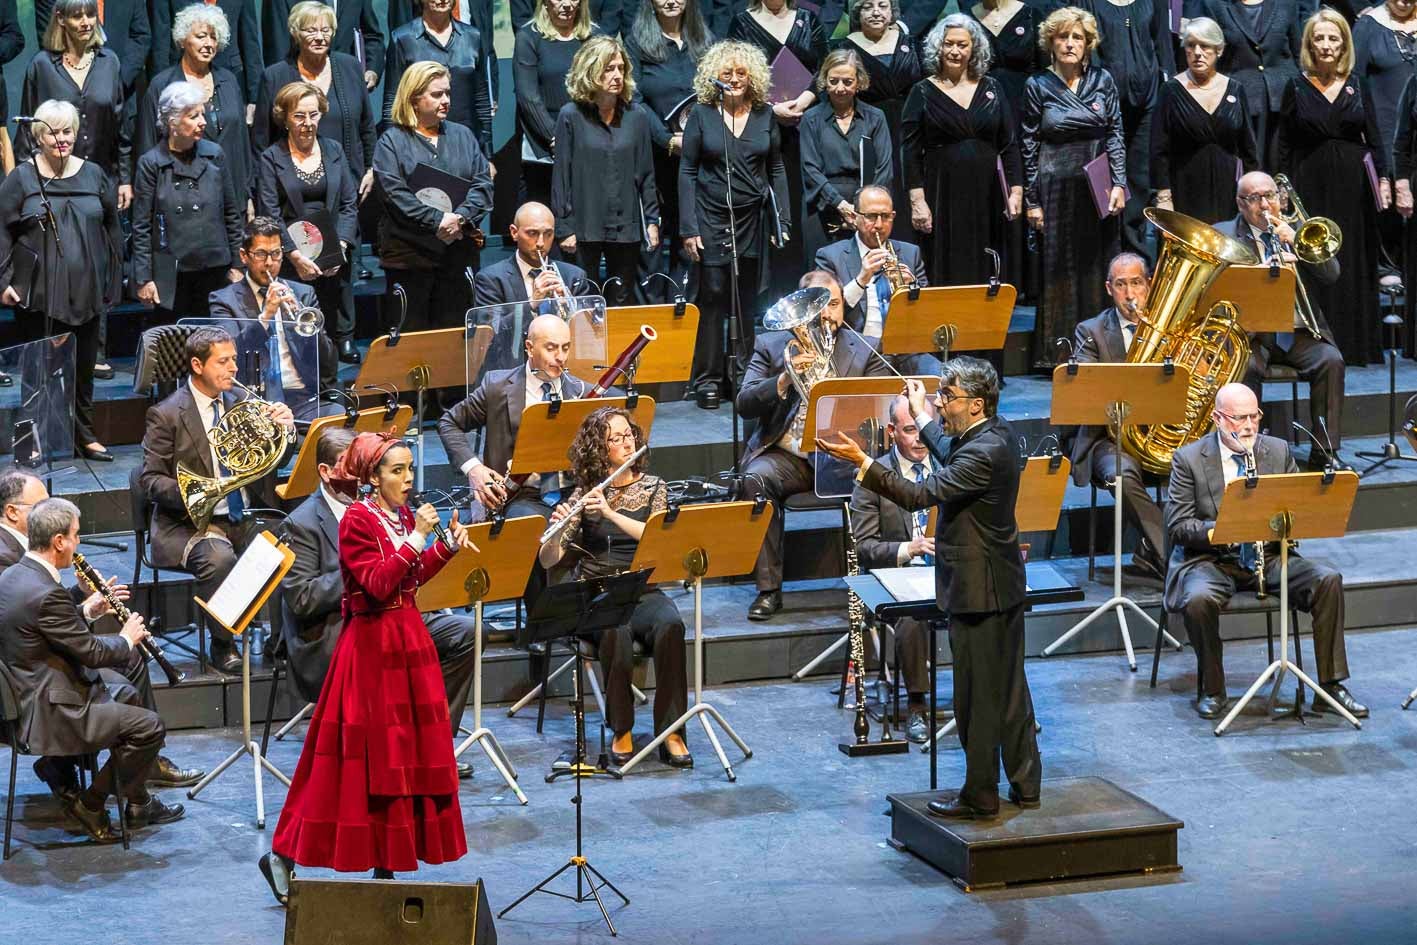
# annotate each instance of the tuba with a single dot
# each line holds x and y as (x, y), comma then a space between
(800, 313)
(248, 443)
(1211, 345)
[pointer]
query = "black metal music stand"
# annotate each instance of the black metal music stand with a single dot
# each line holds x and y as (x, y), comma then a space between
(566, 611)
(1391, 451)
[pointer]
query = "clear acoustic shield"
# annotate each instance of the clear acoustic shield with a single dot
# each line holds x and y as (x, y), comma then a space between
(497, 334)
(279, 359)
(863, 418)
(37, 404)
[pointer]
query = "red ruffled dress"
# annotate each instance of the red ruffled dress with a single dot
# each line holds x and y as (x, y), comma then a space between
(377, 785)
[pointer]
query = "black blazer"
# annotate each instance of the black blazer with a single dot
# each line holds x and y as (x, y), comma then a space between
(1098, 340)
(11, 551)
(496, 406)
(353, 19)
(978, 568)
(1326, 272)
(501, 283)
(1264, 59)
(843, 260)
(127, 30)
(278, 190)
(311, 594)
(758, 400)
(189, 210)
(228, 130)
(242, 54)
(52, 658)
(355, 133)
(879, 525)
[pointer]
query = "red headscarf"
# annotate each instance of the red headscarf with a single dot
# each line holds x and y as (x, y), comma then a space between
(359, 461)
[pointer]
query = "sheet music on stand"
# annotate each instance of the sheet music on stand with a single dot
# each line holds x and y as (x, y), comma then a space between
(908, 583)
(247, 580)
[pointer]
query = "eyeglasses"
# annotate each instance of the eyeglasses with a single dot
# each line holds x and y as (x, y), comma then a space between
(316, 31)
(948, 396)
(1269, 196)
(1255, 417)
(877, 217)
(615, 439)
(264, 254)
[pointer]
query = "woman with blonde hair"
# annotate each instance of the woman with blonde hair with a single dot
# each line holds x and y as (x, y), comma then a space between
(541, 59)
(602, 189)
(737, 128)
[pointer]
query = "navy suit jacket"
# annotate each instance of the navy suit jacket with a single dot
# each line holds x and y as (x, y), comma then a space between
(237, 301)
(843, 260)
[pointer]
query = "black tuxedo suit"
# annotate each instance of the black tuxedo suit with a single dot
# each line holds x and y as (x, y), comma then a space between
(980, 583)
(1317, 360)
(771, 470)
(501, 284)
(1203, 577)
(314, 355)
(311, 619)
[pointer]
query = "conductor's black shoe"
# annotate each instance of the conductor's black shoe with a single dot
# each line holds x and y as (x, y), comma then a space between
(95, 822)
(96, 456)
(348, 353)
(1026, 801)
(166, 774)
(61, 778)
(103, 371)
(224, 658)
(951, 806)
(1210, 707)
(464, 770)
(278, 871)
(765, 605)
(1343, 697)
(917, 730)
(152, 813)
(6, 380)
(685, 760)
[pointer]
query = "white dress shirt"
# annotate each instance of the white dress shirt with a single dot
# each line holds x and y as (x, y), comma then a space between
(289, 376)
(525, 269)
(906, 469)
(852, 293)
(1227, 459)
(1129, 332)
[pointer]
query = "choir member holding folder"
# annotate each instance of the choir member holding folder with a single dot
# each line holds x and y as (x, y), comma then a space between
(1071, 117)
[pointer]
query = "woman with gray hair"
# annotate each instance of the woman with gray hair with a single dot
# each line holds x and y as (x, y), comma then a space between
(186, 221)
(240, 55)
(201, 31)
(1201, 139)
(958, 135)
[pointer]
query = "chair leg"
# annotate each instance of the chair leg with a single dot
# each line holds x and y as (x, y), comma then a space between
(545, 686)
(1298, 661)
(271, 705)
(122, 805)
(1092, 534)
(10, 799)
(1161, 625)
(1294, 411)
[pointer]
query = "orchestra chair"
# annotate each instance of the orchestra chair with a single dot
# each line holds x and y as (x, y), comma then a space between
(140, 513)
(589, 654)
(1284, 374)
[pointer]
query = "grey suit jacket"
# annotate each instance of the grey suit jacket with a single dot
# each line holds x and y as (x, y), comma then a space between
(879, 525)
(1326, 272)
(311, 593)
(1197, 487)
(843, 260)
(1097, 340)
(494, 406)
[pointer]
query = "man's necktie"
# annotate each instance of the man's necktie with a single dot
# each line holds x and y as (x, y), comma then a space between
(922, 517)
(883, 293)
(1247, 548)
(550, 482)
(235, 508)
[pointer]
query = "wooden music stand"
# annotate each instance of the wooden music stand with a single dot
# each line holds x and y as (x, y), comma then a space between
(422, 361)
(1285, 507)
(858, 387)
(1263, 297)
(667, 360)
(1118, 396)
(497, 571)
(544, 436)
(676, 543)
(962, 317)
(249, 746)
(304, 476)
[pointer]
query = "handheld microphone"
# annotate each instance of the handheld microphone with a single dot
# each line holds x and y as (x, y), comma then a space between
(418, 499)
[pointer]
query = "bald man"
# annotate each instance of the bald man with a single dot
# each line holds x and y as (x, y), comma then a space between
(521, 276)
(1204, 576)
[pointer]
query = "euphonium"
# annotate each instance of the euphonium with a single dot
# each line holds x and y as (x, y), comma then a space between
(1211, 345)
(248, 443)
(800, 313)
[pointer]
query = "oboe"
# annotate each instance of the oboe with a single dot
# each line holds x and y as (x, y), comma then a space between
(89, 576)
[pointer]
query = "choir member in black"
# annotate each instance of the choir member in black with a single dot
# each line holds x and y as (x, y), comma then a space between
(602, 189)
(358, 29)
(541, 60)
(1201, 137)
(436, 36)
(664, 46)
(200, 32)
(1262, 39)
(1328, 131)
(61, 277)
(1404, 148)
(297, 177)
(1012, 29)
(604, 534)
(607, 15)
(241, 57)
(846, 145)
(1385, 58)
(184, 206)
(127, 32)
(892, 62)
(12, 43)
(1070, 116)
(423, 249)
(737, 123)
(958, 127)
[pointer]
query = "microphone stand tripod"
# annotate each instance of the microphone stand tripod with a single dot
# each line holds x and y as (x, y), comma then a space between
(1391, 451)
(733, 365)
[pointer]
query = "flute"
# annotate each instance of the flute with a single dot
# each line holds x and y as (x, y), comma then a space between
(89, 576)
(580, 503)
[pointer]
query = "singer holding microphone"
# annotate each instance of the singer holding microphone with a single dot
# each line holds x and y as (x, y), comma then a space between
(377, 786)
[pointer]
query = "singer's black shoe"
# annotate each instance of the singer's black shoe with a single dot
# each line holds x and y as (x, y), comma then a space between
(464, 770)
(673, 760)
(348, 353)
(95, 822)
(96, 456)
(917, 730)
(278, 872)
(153, 813)
(60, 777)
(765, 605)
(166, 774)
(952, 807)
(1343, 697)
(1025, 801)
(103, 371)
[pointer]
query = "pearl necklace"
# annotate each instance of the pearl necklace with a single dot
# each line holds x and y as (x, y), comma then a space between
(84, 61)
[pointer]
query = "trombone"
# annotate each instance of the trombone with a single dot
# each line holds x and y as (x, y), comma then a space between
(1316, 241)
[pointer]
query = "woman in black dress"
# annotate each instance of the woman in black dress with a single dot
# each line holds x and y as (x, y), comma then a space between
(1404, 161)
(741, 120)
(602, 190)
(837, 133)
(1201, 139)
(664, 45)
(608, 527)
(959, 130)
(1385, 58)
(541, 60)
(65, 287)
(1071, 116)
(200, 32)
(1328, 132)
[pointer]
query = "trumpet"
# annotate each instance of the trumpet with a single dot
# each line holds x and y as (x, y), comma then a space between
(306, 320)
(897, 274)
(560, 294)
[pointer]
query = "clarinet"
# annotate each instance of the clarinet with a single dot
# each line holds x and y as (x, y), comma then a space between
(89, 576)
(1260, 592)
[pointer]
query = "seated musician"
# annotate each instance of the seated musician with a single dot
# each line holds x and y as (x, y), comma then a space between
(1203, 576)
(775, 464)
(289, 360)
(66, 709)
(1106, 338)
(888, 536)
(859, 263)
(176, 434)
(1315, 357)
(311, 593)
(605, 533)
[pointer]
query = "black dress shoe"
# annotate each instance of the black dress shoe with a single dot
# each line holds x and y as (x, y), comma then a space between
(166, 774)
(1211, 707)
(95, 822)
(6, 380)
(96, 456)
(464, 770)
(224, 659)
(618, 759)
(952, 807)
(708, 397)
(685, 760)
(278, 872)
(765, 605)
(103, 371)
(348, 353)
(153, 813)
(1145, 566)
(1343, 697)
(1026, 801)
(917, 730)
(61, 778)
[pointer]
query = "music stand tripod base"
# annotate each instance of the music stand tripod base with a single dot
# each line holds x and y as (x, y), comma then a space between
(481, 735)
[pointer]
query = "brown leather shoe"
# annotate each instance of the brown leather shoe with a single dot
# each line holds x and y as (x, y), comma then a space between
(166, 774)
(95, 822)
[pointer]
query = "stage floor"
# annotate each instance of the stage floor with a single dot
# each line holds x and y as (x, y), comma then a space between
(1292, 834)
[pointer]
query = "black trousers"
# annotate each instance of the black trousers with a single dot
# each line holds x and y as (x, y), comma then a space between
(437, 298)
(777, 474)
(993, 707)
(658, 628)
(193, 288)
(912, 650)
(710, 366)
(211, 560)
(1319, 364)
(622, 261)
(1207, 586)
(454, 637)
(1136, 131)
(1139, 510)
(34, 326)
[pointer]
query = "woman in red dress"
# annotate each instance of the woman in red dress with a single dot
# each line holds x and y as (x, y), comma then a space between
(377, 786)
